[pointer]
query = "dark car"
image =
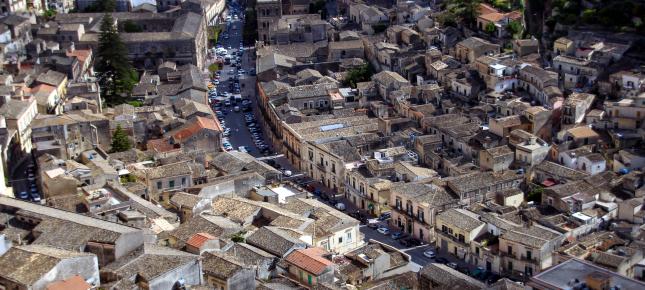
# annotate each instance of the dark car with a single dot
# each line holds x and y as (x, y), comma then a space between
(385, 216)
(404, 242)
(373, 225)
(398, 235)
(411, 242)
(492, 278)
(441, 260)
(463, 269)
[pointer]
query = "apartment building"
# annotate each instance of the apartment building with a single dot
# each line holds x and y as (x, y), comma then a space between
(528, 250)
(455, 229)
(269, 13)
(415, 205)
(627, 114)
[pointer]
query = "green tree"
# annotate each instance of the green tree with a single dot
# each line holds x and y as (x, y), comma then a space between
(489, 28)
(535, 195)
(49, 14)
(514, 28)
(120, 141)
(464, 10)
(238, 237)
(357, 75)
(113, 69)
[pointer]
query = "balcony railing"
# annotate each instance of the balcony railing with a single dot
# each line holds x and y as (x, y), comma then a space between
(453, 238)
(507, 254)
(531, 259)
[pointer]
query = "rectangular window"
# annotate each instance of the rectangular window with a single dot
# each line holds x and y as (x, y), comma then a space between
(529, 255)
(183, 181)
(158, 184)
(171, 184)
(509, 250)
(340, 240)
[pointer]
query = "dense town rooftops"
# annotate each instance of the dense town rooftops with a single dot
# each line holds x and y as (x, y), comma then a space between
(150, 261)
(481, 180)
(561, 171)
(220, 266)
(461, 219)
(447, 277)
(311, 260)
(430, 194)
(27, 264)
(52, 213)
(561, 275)
(533, 236)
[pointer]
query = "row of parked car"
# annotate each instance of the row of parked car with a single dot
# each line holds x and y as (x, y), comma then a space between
(33, 193)
(256, 132)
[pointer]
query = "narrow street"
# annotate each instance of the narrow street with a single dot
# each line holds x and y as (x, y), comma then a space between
(240, 136)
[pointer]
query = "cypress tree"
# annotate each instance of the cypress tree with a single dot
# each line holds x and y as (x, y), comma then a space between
(120, 141)
(115, 73)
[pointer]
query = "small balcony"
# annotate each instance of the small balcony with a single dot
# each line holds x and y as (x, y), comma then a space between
(453, 238)
(531, 259)
(507, 254)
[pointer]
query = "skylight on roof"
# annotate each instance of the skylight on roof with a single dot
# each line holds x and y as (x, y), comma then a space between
(331, 127)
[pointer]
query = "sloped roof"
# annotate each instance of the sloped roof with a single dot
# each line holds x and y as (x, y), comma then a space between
(196, 126)
(310, 260)
(199, 239)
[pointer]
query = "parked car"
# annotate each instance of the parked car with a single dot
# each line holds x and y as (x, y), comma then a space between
(410, 242)
(385, 216)
(430, 254)
(384, 231)
(398, 235)
(373, 224)
(340, 206)
(35, 197)
(452, 265)
(441, 260)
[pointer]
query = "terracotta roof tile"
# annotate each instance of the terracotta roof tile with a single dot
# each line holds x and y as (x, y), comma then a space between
(198, 239)
(74, 283)
(197, 125)
(493, 17)
(160, 145)
(310, 260)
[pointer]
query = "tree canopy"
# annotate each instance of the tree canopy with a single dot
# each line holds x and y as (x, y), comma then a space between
(120, 141)
(357, 75)
(465, 11)
(113, 69)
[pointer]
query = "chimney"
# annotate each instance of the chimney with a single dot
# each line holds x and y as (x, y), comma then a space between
(532, 141)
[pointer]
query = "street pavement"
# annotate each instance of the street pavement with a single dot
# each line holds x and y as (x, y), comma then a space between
(240, 136)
